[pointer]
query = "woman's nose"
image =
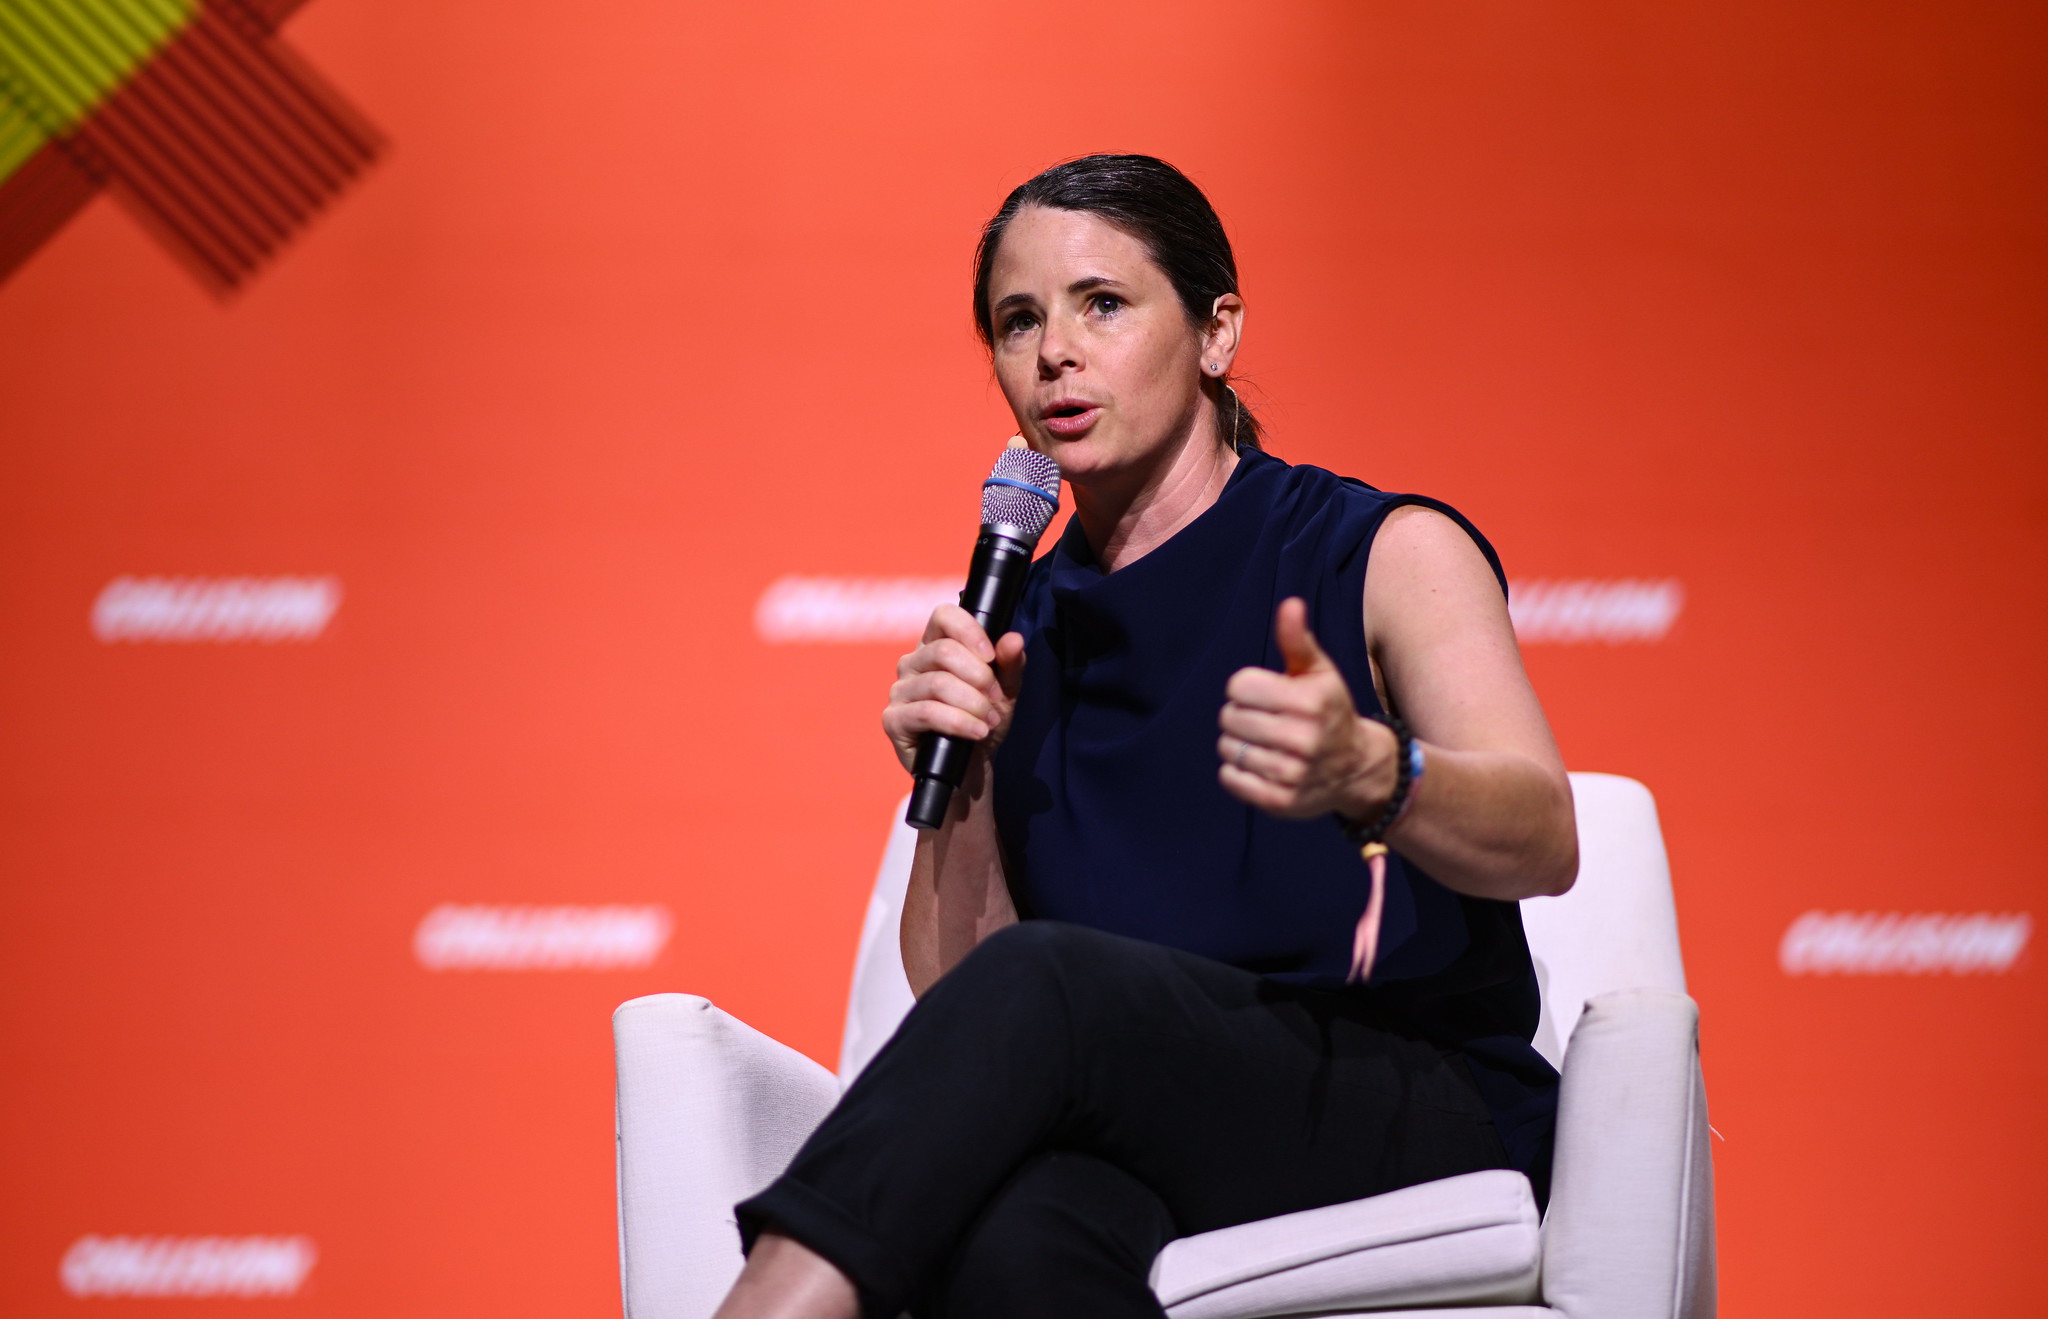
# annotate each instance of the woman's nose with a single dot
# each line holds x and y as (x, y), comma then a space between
(1055, 354)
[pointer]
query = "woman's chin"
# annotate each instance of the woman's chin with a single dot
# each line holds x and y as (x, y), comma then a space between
(1078, 458)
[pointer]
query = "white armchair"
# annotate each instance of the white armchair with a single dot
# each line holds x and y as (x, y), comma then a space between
(709, 1111)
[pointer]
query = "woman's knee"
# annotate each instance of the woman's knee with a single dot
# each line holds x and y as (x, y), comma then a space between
(1092, 978)
(1029, 957)
(1040, 940)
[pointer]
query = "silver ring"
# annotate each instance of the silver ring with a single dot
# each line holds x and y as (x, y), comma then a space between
(1242, 747)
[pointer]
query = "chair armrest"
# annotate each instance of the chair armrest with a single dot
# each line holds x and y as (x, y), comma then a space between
(1630, 1228)
(709, 1112)
(1465, 1240)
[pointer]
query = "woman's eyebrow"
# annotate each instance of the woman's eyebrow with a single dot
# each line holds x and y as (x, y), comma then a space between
(1086, 284)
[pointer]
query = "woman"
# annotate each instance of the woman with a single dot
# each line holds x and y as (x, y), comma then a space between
(1131, 940)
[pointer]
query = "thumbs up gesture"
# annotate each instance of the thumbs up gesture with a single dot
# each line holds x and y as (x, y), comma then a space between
(1293, 743)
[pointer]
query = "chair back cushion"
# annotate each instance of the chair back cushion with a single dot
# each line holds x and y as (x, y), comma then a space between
(1616, 929)
(881, 994)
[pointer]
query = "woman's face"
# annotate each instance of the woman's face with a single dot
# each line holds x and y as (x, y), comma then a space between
(1092, 346)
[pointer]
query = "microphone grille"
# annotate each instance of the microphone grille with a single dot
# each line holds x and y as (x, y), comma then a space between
(1022, 492)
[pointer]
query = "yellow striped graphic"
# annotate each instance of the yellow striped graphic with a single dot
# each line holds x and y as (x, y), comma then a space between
(59, 59)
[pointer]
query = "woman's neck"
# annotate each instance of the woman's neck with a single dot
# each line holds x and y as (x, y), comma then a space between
(1126, 520)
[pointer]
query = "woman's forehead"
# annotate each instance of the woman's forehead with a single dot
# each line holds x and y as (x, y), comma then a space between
(1046, 245)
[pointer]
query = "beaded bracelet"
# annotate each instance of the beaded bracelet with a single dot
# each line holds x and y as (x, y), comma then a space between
(1408, 766)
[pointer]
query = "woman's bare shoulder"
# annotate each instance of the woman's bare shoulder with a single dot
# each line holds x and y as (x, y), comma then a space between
(1419, 550)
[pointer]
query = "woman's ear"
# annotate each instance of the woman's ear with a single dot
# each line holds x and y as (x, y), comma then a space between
(1219, 342)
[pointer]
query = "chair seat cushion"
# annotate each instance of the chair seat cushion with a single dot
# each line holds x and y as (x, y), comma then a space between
(1469, 1240)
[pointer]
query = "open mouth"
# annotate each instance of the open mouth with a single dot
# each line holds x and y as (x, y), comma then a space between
(1070, 418)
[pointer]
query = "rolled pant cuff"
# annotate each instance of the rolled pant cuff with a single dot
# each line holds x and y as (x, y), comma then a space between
(802, 1214)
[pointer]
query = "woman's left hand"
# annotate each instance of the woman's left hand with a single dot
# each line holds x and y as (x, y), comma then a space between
(1293, 743)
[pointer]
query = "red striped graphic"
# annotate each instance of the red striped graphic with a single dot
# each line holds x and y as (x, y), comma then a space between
(225, 144)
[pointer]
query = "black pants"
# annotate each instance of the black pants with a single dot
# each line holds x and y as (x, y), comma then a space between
(1065, 1102)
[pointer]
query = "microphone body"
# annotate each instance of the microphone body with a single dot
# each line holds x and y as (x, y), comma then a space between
(1015, 511)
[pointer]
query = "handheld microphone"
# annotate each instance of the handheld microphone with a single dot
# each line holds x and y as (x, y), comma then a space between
(1017, 503)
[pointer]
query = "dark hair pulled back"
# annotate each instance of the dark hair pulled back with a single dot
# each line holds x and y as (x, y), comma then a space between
(1161, 208)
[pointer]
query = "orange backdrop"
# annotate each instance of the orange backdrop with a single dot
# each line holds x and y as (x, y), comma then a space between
(646, 306)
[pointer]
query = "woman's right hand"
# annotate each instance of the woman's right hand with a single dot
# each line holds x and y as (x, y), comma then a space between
(955, 682)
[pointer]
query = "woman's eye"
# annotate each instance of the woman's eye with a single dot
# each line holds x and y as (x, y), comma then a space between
(1019, 323)
(1108, 303)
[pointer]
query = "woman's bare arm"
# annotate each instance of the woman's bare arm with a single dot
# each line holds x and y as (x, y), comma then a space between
(955, 682)
(1493, 814)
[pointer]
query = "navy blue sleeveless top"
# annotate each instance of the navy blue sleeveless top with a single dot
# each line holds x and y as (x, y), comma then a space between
(1111, 816)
